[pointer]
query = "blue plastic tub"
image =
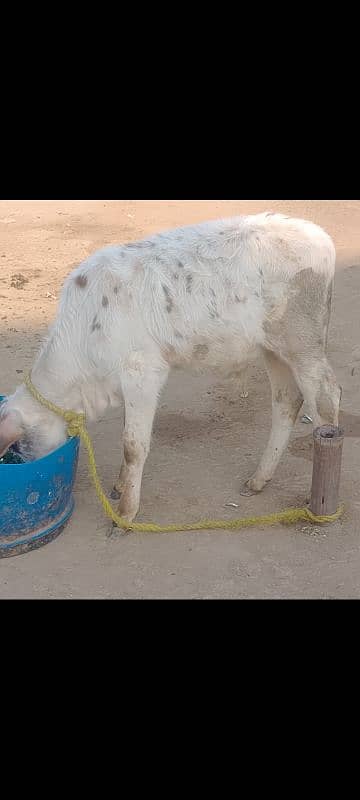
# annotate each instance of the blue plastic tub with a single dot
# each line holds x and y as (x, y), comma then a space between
(36, 499)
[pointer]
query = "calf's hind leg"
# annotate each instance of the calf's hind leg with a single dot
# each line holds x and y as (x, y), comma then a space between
(287, 400)
(320, 388)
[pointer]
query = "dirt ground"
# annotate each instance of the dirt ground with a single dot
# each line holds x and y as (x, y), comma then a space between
(206, 440)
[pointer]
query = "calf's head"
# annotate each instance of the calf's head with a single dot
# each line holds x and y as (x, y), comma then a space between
(36, 430)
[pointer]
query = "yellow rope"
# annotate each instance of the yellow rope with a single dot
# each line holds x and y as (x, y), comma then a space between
(76, 426)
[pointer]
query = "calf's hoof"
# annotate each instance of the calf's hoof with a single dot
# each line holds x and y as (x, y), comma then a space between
(253, 486)
(115, 532)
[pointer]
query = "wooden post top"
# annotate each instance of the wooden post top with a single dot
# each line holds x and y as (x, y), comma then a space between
(328, 433)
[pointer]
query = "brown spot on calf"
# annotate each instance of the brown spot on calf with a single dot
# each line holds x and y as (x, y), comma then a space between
(200, 351)
(169, 300)
(95, 326)
(81, 281)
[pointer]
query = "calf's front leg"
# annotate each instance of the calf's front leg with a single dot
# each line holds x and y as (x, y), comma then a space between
(140, 397)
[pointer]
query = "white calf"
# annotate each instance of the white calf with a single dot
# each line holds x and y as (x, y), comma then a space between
(207, 296)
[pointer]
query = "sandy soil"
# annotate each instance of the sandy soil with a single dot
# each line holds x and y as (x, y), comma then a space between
(206, 440)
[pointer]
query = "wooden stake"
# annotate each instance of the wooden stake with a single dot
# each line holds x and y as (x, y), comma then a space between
(328, 446)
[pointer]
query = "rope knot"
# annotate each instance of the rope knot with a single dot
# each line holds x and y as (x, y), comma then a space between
(75, 423)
